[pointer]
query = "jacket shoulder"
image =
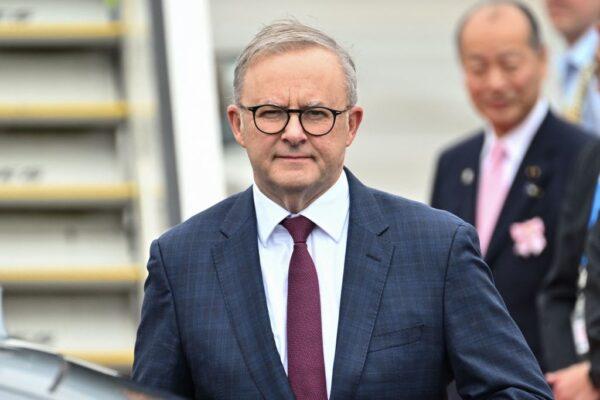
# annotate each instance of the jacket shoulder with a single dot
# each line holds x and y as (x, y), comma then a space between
(468, 145)
(203, 226)
(422, 219)
(565, 134)
(426, 235)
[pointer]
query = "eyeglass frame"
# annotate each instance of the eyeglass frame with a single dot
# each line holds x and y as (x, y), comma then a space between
(298, 111)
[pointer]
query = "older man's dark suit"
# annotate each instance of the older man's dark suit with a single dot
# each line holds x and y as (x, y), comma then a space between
(559, 293)
(537, 191)
(418, 306)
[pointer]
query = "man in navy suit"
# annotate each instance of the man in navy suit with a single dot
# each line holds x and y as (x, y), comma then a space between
(509, 179)
(310, 285)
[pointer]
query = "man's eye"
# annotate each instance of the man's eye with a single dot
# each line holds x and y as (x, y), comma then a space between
(315, 114)
(476, 69)
(511, 67)
(270, 114)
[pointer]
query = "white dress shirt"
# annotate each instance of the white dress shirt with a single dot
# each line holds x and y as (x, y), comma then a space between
(516, 141)
(578, 57)
(327, 247)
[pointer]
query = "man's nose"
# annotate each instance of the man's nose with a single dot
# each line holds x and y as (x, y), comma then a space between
(496, 79)
(293, 133)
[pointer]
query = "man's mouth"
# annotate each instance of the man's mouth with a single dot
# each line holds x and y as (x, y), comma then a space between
(498, 103)
(293, 157)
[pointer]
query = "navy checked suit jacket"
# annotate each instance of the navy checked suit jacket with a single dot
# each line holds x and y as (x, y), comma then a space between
(537, 191)
(418, 307)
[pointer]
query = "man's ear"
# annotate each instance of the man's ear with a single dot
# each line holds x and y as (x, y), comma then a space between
(355, 115)
(234, 116)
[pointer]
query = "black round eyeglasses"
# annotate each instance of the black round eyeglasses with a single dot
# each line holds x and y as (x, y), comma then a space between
(271, 119)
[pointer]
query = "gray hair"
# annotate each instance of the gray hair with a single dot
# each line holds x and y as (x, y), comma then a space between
(535, 36)
(288, 35)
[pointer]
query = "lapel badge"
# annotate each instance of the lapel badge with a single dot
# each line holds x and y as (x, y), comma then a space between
(533, 190)
(466, 176)
(533, 171)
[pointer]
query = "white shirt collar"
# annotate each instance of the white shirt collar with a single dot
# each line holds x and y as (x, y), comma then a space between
(518, 139)
(581, 53)
(329, 211)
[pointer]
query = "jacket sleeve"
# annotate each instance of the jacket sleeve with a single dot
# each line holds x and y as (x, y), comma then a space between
(487, 352)
(159, 360)
(592, 302)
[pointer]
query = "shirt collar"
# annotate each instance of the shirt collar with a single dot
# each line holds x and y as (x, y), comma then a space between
(329, 211)
(517, 140)
(581, 53)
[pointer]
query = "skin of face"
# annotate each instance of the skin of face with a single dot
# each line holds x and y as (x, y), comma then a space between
(294, 168)
(503, 73)
(572, 18)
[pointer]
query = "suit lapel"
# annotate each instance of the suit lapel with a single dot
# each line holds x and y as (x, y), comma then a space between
(527, 188)
(237, 263)
(368, 257)
(469, 179)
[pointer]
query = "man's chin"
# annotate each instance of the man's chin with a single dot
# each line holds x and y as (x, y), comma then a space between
(297, 185)
(294, 181)
(504, 123)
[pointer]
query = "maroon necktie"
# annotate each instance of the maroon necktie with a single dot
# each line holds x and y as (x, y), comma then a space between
(306, 367)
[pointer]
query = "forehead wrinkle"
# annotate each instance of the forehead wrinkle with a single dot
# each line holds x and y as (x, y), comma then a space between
(273, 102)
(506, 52)
(302, 86)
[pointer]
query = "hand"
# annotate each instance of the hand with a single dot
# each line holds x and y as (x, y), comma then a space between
(573, 383)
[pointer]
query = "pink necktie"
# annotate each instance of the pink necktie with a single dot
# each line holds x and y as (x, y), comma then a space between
(492, 193)
(306, 366)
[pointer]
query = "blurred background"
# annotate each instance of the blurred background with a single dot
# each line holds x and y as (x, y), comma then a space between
(113, 129)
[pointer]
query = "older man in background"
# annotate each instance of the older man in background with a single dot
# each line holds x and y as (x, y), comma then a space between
(509, 179)
(576, 21)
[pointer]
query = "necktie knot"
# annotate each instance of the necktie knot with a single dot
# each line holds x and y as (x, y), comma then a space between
(299, 228)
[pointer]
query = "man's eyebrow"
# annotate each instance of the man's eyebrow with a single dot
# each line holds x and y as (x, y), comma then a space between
(314, 103)
(474, 57)
(273, 103)
(511, 53)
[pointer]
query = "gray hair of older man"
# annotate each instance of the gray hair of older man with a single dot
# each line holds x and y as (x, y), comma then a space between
(535, 36)
(289, 35)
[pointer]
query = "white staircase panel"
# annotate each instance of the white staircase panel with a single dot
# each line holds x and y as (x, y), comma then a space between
(55, 11)
(97, 327)
(57, 78)
(59, 158)
(60, 239)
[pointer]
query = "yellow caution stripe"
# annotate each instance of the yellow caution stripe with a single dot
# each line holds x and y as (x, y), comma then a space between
(71, 192)
(74, 274)
(78, 111)
(106, 357)
(46, 31)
